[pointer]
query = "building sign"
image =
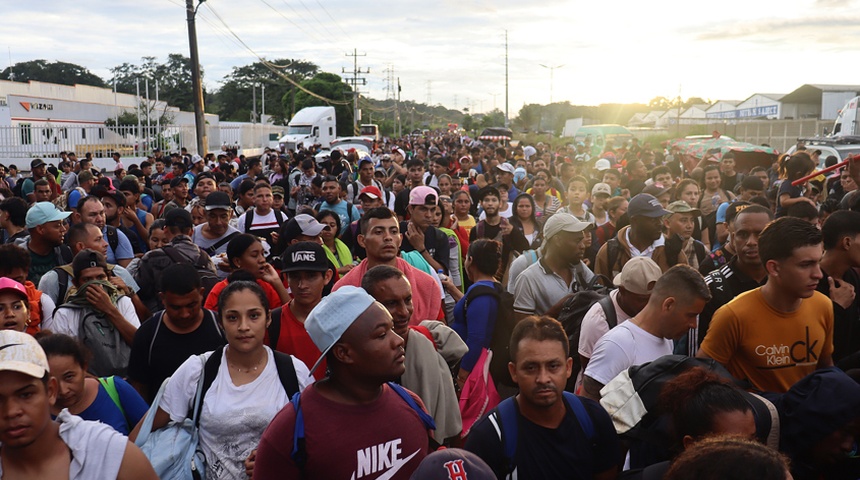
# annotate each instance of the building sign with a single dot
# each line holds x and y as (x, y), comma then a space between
(753, 112)
(36, 106)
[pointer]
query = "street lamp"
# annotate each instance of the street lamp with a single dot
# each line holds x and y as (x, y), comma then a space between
(551, 71)
(196, 81)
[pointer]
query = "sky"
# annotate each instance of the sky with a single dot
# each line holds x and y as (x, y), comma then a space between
(452, 52)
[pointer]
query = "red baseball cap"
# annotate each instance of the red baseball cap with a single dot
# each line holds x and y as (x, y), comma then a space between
(371, 192)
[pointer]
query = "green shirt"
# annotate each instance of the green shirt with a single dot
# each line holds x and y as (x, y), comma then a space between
(40, 265)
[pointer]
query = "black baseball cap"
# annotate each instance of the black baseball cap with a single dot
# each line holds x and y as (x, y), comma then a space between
(305, 257)
(218, 200)
(178, 217)
(177, 180)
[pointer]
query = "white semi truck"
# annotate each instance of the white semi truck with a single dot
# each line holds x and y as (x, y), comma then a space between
(310, 126)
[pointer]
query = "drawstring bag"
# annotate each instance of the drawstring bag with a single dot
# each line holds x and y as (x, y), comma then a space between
(479, 394)
(173, 450)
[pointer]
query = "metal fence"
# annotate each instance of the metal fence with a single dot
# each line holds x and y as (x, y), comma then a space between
(779, 134)
(27, 141)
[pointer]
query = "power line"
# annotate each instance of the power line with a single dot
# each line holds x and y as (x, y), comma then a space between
(290, 20)
(271, 66)
(334, 21)
(316, 19)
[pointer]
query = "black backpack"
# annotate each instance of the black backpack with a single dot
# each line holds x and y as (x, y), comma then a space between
(573, 311)
(631, 399)
(249, 219)
(501, 339)
(283, 362)
(208, 278)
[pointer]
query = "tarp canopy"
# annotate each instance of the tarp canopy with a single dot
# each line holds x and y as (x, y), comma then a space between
(747, 155)
(495, 134)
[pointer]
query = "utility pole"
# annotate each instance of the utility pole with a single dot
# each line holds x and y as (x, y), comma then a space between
(507, 122)
(429, 92)
(390, 94)
(253, 104)
(397, 111)
(196, 80)
(551, 83)
(494, 95)
(355, 81)
(263, 101)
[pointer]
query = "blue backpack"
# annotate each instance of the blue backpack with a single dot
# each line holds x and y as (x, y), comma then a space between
(300, 454)
(504, 420)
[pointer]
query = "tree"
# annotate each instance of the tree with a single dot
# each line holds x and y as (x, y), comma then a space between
(234, 100)
(661, 103)
(330, 86)
(174, 79)
(52, 72)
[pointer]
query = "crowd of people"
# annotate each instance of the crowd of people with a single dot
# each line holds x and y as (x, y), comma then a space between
(435, 307)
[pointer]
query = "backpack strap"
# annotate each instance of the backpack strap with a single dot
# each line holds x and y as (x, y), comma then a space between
(63, 254)
(210, 371)
(212, 249)
(287, 373)
(699, 249)
(581, 413)
(109, 384)
(299, 453)
(349, 211)
(274, 329)
(155, 334)
(112, 237)
(479, 290)
(504, 421)
(175, 255)
(426, 419)
(609, 311)
(611, 253)
(62, 286)
(424, 331)
(249, 219)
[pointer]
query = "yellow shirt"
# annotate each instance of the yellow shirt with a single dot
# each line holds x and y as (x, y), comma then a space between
(467, 224)
(771, 349)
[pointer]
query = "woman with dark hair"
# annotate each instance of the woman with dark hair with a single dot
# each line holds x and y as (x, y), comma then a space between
(245, 394)
(110, 400)
(712, 196)
(336, 251)
(700, 404)
(279, 170)
(525, 220)
(475, 325)
(729, 458)
(245, 252)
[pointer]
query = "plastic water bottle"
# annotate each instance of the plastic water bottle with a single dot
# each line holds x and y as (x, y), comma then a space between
(442, 275)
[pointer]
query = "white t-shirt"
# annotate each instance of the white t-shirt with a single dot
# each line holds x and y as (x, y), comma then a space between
(594, 326)
(96, 449)
(233, 417)
(504, 214)
(68, 320)
(260, 222)
(623, 347)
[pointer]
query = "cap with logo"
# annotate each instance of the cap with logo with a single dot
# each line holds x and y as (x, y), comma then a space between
(564, 222)
(681, 206)
(37, 163)
(88, 258)
(20, 352)
(335, 313)
(645, 205)
(9, 285)
(44, 212)
(178, 217)
(638, 275)
(217, 200)
(450, 463)
(423, 196)
(305, 256)
(303, 224)
(601, 189)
